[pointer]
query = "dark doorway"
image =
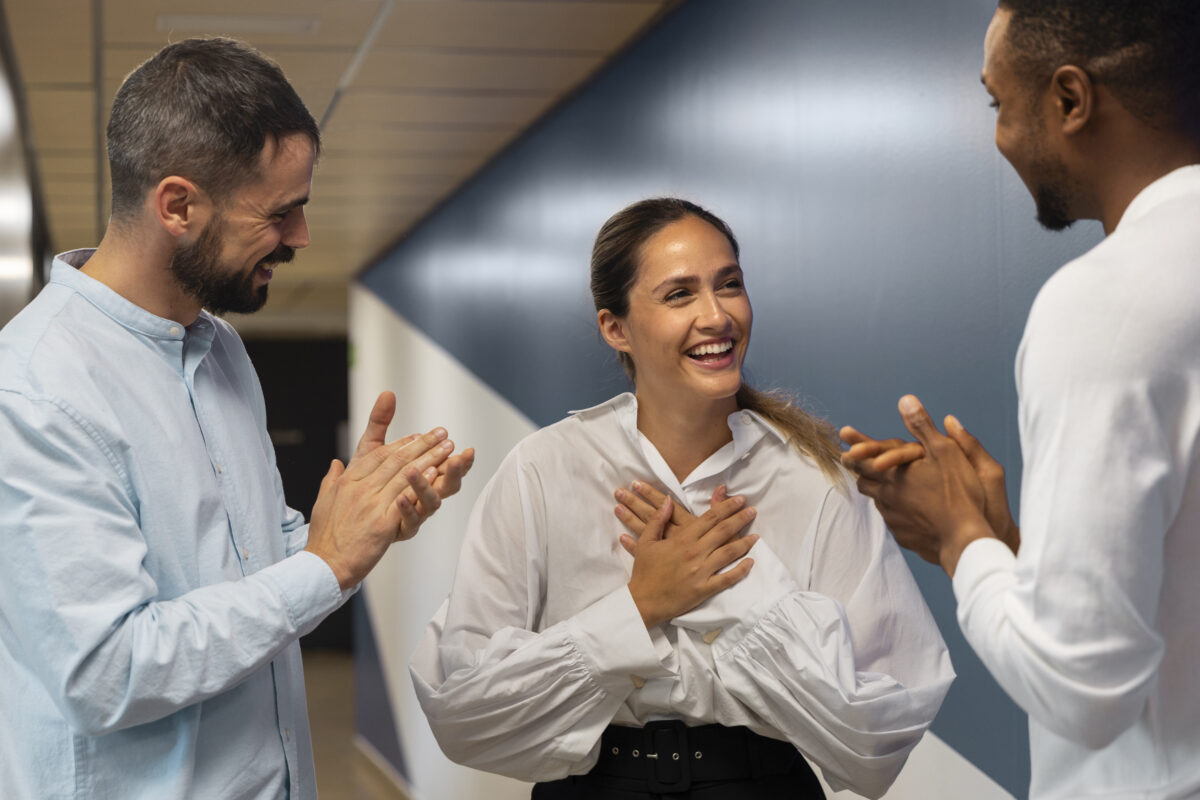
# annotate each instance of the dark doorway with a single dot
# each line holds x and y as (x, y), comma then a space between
(305, 384)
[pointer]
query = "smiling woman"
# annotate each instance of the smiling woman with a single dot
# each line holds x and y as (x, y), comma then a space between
(712, 651)
(648, 258)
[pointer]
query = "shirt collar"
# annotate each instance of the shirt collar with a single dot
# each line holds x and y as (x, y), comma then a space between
(1181, 181)
(747, 427)
(65, 271)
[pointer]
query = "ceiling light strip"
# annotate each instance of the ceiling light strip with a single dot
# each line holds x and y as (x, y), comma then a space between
(356, 63)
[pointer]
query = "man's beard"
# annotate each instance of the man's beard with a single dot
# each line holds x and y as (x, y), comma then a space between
(196, 268)
(1052, 192)
(1052, 210)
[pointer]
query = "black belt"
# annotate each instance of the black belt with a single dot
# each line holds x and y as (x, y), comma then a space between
(670, 756)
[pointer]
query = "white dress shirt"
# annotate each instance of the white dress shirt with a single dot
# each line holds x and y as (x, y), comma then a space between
(827, 642)
(1094, 628)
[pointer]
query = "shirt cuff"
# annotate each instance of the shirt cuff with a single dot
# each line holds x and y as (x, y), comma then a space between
(309, 588)
(735, 611)
(980, 560)
(613, 638)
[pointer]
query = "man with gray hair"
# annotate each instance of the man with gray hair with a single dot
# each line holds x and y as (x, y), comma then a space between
(154, 583)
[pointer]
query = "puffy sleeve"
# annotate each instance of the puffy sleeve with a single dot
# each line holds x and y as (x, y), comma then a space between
(853, 669)
(501, 695)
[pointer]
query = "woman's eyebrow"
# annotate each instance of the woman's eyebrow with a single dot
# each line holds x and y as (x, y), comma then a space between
(680, 280)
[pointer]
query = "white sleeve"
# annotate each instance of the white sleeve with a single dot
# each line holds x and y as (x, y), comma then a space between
(502, 697)
(1067, 626)
(851, 672)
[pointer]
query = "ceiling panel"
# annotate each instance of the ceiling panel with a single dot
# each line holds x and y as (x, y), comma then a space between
(338, 22)
(410, 114)
(61, 118)
(52, 40)
(465, 69)
(377, 107)
(369, 141)
(598, 28)
(384, 168)
(67, 163)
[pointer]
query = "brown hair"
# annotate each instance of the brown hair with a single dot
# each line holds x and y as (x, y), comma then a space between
(202, 109)
(615, 259)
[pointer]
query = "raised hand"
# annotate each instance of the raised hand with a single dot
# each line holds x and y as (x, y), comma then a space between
(934, 505)
(674, 574)
(873, 456)
(446, 479)
(991, 476)
(384, 495)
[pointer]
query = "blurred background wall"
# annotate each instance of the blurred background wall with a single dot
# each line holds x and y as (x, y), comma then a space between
(888, 248)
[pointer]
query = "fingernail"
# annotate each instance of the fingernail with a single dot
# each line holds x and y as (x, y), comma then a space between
(447, 446)
(738, 500)
(620, 511)
(953, 420)
(909, 404)
(439, 433)
(751, 513)
(637, 486)
(430, 473)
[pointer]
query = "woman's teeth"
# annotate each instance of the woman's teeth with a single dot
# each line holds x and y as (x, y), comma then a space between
(710, 349)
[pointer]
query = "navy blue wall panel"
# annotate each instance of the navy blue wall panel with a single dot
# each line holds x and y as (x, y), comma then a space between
(887, 247)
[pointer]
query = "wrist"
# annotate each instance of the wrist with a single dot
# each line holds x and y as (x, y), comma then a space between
(344, 578)
(961, 536)
(650, 616)
(1012, 538)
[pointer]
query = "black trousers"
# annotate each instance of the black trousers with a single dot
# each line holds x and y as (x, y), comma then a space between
(751, 767)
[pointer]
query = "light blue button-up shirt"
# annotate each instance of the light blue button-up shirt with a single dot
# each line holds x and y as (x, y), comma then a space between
(153, 582)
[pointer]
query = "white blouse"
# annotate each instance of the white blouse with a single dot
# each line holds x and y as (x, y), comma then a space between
(827, 643)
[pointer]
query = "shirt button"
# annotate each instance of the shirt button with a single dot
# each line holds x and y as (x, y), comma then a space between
(219, 469)
(174, 331)
(246, 554)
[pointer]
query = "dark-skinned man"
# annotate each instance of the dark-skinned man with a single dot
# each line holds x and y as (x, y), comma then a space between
(1086, 614)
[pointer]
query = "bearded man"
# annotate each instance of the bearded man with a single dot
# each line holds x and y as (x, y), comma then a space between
(154, 582)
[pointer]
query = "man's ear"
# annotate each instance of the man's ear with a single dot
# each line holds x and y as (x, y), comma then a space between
(612, 328)
(1074, 97)
(180, 206)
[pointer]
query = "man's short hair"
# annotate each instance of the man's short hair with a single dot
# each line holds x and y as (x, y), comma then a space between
(201, 109)
(1147, 52)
